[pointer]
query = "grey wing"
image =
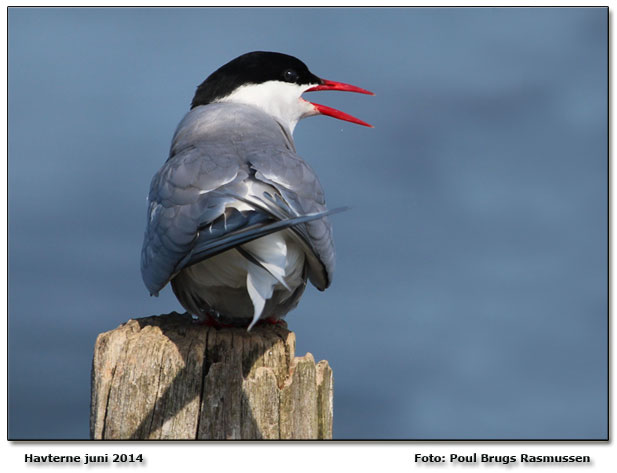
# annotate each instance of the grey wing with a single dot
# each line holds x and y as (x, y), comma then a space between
(301, 190)
(190, 215)
(176, 208)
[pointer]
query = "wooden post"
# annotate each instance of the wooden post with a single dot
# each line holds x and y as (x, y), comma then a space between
(166, 377)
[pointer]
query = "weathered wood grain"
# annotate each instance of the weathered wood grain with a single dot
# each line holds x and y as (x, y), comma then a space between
(166, 377)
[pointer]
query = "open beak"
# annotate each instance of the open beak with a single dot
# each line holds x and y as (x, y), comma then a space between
(332, 112)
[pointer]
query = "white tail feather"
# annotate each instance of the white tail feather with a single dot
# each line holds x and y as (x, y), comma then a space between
(271, 252)
(260, 285)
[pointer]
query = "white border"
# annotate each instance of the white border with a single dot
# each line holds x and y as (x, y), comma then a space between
(297, 456)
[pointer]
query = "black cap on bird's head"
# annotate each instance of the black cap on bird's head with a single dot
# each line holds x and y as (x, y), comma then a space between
(274, 82)
(252, 68)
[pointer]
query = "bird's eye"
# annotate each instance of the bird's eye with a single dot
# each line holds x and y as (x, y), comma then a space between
(290, 75)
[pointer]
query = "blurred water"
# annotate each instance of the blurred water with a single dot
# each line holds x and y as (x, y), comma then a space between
(470, 299)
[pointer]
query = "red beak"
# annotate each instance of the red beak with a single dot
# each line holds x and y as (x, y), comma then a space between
(332, 112)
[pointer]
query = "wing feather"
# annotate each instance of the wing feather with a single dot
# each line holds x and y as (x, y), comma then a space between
(232, 176)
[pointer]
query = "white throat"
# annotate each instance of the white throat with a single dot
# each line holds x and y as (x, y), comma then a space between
(280, 99)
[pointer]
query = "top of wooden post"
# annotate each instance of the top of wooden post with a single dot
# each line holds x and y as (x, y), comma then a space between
(168, 377)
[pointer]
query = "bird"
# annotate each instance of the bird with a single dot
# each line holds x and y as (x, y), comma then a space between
(236, 219)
